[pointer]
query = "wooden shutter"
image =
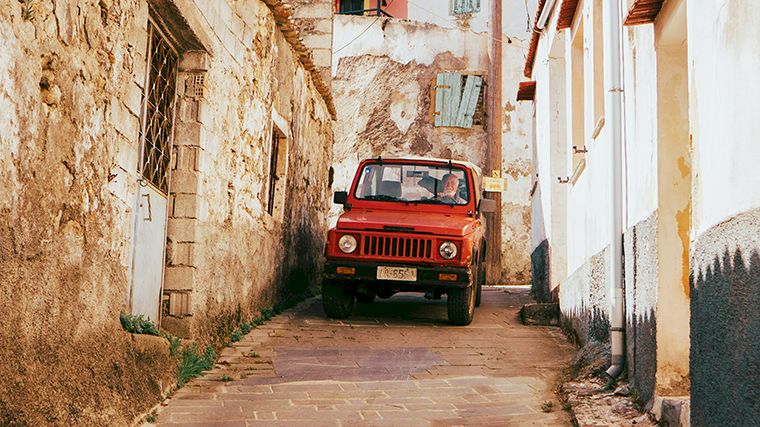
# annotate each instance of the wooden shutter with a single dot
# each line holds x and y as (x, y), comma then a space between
(448, 96)
(469, 102)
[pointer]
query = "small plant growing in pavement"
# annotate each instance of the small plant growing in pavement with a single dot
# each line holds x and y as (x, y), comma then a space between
(137, 324)
(244, 328)
(192, 363)
(267, 313)
(237, 334)
(253, 354)
(226, 378)
(567, 406)
(547, 406)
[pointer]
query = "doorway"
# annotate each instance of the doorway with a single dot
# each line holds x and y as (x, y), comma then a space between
(151, 209)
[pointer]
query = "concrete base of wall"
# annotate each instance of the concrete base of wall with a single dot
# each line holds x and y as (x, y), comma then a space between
(584, 301)
(540, 264)
(640, 249)
(725, 323)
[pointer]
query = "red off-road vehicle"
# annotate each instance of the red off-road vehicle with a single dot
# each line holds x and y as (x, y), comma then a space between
(409, 225)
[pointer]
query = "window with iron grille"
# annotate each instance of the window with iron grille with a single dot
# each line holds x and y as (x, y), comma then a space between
(157, 130)
(460, 7)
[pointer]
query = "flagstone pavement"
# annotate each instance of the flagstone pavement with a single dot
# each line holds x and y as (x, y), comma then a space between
(395, 362)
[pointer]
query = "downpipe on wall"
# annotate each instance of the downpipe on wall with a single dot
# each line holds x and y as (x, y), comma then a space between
(613, 46)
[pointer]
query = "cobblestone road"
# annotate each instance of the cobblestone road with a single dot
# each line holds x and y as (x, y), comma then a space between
(394, 363)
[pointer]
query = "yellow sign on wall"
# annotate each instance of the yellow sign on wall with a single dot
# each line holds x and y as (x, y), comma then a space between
(494, 185)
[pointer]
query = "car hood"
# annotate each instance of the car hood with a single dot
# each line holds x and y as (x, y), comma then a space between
(412, 222)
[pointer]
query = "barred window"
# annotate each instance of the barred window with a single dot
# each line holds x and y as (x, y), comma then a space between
(460, 7)
(157, 130)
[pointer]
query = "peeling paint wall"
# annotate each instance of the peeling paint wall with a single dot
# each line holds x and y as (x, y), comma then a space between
(70, 101)
(382, 84)
(383, 77)
(517, 150)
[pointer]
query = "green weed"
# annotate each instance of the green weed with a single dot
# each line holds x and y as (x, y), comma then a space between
(192, 363)
(237, 334)
(547, 406)
(174, 344)
(137, 324)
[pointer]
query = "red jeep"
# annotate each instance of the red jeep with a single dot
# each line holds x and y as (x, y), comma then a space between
(408, 225)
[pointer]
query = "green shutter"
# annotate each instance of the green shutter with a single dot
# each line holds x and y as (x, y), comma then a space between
(469, 102)
(448, 95)
(439, 84)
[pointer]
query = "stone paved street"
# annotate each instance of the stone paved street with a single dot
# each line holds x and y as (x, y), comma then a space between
(396, 362)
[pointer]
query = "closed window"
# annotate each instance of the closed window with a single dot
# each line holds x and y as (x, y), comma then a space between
(458, 100)
(460, 7)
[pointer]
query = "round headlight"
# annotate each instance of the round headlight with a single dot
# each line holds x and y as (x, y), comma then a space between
(448, 250)
(347, 243)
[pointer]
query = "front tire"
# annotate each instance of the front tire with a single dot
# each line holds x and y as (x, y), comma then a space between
(461, 305)
(481, 282)
(337, 302)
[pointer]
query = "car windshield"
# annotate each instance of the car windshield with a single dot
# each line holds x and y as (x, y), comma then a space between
(413, 183)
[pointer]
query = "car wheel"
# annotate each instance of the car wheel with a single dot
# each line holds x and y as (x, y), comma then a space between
(461, 304)
(481, 281)
(365, 298)
(337, 302)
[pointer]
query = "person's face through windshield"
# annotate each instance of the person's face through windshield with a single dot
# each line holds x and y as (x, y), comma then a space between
(450, 185)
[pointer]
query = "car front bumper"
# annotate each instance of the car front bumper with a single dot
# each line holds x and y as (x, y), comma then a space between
(427, 276)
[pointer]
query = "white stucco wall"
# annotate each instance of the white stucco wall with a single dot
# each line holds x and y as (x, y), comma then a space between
(421, 43)
(723, 113)
(437, 12)
(640, 123)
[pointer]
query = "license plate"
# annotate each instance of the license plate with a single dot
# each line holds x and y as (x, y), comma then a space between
(397, 273)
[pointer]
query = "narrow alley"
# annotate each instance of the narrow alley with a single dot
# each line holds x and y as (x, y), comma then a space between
(396, 362)
(231, 212)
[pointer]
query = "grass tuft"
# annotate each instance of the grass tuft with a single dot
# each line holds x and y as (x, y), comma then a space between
(194, 363)
(137, 324)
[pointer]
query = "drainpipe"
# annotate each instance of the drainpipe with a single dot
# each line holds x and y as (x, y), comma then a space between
(615, 101)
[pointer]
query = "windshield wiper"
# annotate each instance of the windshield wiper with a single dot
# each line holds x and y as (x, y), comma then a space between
(434, 202)
(382, 198)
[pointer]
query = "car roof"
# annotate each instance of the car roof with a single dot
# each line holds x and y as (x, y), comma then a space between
(433, 159)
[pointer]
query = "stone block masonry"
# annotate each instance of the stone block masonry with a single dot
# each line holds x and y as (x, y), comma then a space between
(72, 108)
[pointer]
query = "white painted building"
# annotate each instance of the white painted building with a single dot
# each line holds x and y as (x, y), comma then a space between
(690, 206)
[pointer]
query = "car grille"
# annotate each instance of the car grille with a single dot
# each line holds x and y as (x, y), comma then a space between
(397, 247)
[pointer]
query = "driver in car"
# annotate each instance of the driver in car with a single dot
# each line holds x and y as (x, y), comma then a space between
(449, 193)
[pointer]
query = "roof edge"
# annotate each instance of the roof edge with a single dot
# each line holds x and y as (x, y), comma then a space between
(283, 17)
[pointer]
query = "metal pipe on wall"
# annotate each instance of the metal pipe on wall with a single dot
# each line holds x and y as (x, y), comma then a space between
(613, 69)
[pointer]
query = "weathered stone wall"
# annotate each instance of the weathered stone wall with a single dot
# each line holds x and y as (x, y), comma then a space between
(70, 101)
(313, 18)
(241, 253)
(516, 140)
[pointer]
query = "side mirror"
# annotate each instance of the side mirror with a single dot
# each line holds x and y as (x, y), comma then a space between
(340, 197)
(487, 205)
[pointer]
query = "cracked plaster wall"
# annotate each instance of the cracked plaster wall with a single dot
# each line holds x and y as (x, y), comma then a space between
(382, 85)
(69, 105)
